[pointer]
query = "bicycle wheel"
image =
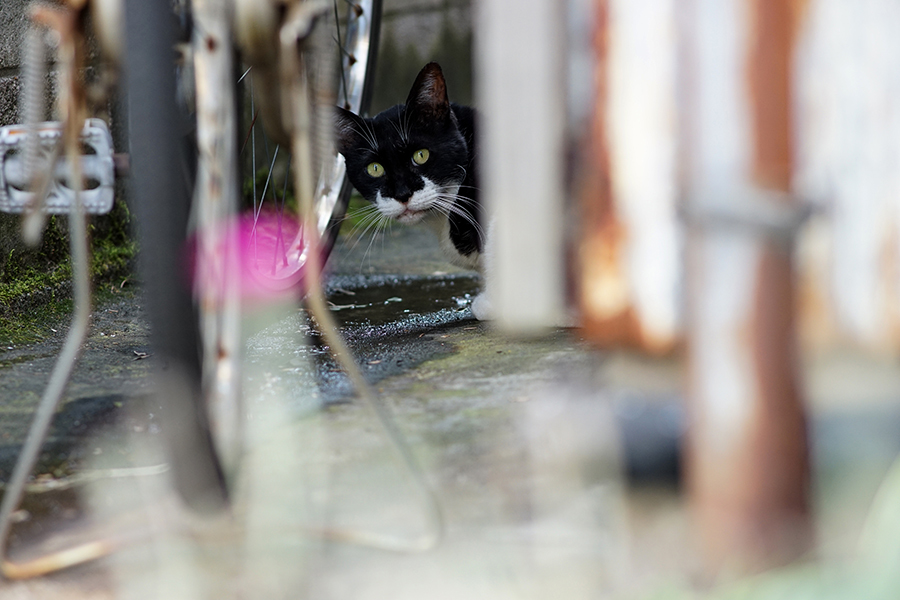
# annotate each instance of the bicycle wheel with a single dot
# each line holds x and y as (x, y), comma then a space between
(357, 78)
(351, 31)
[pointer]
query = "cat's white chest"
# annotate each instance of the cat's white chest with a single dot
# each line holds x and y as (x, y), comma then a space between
(440, 224)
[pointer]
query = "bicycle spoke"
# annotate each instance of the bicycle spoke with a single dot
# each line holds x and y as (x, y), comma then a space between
(340, 45)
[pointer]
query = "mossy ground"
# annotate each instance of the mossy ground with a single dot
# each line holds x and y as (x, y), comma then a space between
(36, 285)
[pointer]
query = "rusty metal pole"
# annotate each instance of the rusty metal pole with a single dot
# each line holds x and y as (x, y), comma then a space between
(629, 256)
(746, 449)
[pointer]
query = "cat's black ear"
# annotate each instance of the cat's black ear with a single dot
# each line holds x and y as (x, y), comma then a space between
(348, 130)
(428, 97)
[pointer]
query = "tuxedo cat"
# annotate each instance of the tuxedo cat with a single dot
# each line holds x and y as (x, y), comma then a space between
(416, 163)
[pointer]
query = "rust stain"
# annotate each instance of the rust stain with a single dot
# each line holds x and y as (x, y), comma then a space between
(594, 171)
(774, 484)
(609, 318)
(777, 478)
(773, 31)
(605, 290)
(889, 267)
(752, 498)
(608, 315)
(815, 313)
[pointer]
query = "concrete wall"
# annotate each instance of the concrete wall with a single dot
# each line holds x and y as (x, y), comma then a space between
(414, 32)
(15, 257)
(12, 30)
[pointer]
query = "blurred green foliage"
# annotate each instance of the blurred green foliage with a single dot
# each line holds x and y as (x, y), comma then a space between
(873, 573)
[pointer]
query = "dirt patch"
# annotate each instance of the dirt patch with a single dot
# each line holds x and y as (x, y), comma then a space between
(111, 372)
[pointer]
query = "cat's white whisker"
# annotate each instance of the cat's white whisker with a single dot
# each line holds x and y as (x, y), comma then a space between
(371, 218)
(404, 124)
(403, 135)
(449, 204)
(380, 225)
(374, 222)
(364, 216)
(372, 136)
(368, 135)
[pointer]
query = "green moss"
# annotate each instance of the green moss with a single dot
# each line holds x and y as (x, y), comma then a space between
(35, 285)
(27, 327)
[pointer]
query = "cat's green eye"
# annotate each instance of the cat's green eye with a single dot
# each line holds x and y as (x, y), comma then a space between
(420, 157)
(375, 169)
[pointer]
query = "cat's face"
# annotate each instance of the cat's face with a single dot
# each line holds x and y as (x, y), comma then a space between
(409, 160)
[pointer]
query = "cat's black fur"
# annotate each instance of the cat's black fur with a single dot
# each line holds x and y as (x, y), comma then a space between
(443, 190)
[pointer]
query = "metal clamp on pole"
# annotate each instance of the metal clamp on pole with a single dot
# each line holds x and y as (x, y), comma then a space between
(772, 214)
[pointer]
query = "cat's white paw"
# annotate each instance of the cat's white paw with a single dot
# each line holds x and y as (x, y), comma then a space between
(481, 307)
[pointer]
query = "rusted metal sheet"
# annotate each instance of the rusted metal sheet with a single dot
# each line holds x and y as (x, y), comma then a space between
(631, 251)
(746, 449)
(848, 164)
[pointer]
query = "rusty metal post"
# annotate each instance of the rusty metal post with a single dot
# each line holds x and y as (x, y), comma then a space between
(629, 257)
(746, 449)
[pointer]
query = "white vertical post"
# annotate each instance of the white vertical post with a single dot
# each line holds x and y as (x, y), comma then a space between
(216, 198)
(521, 91)
(848, 162)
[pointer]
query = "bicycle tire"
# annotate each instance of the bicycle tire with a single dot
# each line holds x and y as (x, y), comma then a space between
(358, 58)
(332, 228)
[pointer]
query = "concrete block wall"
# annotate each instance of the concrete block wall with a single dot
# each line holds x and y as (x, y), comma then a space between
(12, 31)
(14, 254)
(414, 32)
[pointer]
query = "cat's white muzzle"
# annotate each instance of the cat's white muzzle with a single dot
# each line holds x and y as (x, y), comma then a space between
(416, 208)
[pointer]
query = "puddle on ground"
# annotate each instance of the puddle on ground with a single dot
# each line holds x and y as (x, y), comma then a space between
(40, 514)
(413, 301)
(391, 323)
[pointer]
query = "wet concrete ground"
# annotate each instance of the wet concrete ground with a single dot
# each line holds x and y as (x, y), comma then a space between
(525, 443)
